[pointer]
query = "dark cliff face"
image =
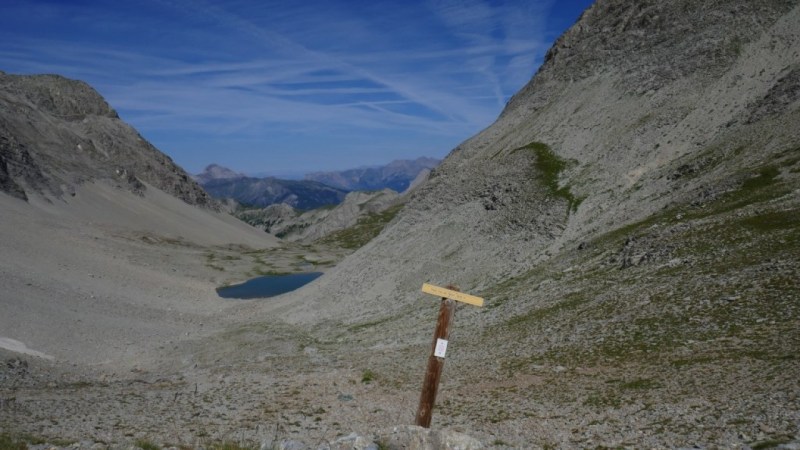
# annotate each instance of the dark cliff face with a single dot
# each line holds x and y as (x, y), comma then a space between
(57, 133)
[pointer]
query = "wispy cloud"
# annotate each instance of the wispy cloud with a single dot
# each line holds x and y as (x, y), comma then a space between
(419, 75)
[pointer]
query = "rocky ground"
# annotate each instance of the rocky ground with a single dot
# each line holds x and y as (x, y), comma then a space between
(635, 340)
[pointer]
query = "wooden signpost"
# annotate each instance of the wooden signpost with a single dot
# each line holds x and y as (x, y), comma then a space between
(439, 347)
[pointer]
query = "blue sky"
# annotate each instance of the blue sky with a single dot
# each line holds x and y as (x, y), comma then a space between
(290, 87)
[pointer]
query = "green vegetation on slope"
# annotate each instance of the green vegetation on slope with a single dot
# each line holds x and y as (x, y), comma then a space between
(364, 231)
(550, 166)
(9, 443)
(717, 275)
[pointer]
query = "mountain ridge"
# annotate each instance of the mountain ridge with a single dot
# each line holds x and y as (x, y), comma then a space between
(318, 189)
(216, 172)
(396, 175)
(262, 192)
(486, 183)
(56, 134)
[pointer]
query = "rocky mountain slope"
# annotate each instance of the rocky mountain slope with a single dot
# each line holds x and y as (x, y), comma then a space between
(397, 175)
(664, 120)
(632, 219)
(56, 134)
(88, 204)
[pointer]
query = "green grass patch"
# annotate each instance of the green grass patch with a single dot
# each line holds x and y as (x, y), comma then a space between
(603, 400)
(146, 445)
(772, 443)
(640, 383)
(640, 338)
(262, 271)
(761, 188)
(735, 46)
(570, 302)
(363, 326)
(680, 363)
(366, 229)
(229, 445)
(9, 443)
(765, 177)
(773, 221)
(550, 166)
(777, 234)
(663, 218)
(368, 376)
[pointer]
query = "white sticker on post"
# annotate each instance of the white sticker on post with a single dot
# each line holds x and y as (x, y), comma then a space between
(441, 348)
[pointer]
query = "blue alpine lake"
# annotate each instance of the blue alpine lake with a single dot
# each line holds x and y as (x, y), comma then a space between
(268, 285)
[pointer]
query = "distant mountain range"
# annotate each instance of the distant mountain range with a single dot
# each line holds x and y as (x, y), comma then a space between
(317, 189)
(262, 192)
(215, 172)
(397, 175)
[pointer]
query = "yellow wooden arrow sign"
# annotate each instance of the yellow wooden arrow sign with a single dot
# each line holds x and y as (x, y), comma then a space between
(455, 295)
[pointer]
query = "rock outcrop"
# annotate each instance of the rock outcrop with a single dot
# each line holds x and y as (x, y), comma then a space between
(56, 134)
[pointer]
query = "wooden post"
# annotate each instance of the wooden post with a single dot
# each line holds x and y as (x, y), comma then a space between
(439, 346)
(435, 364)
